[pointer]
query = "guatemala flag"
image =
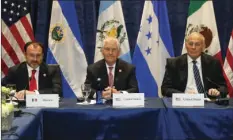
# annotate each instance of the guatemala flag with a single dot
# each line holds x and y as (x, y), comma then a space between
(111, 23)
(154, 46)
(65, 47)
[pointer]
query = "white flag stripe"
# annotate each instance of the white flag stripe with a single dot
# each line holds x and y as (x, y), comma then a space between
(113, 12)
(156, 60)
(22, 31)
(29, 19)
(68, 52)
(205, 15)
(8, 35)
(229, 72)
(228, 66)
(6, 58)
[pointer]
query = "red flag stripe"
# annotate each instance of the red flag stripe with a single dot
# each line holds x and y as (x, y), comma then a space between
(4, 67)
(9, 49)
(229, 86)
(219, 57)
(17, 36)
(7, 58)
(229, 58)
(27, 27)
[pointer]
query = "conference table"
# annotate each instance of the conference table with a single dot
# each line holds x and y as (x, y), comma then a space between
(157, 120)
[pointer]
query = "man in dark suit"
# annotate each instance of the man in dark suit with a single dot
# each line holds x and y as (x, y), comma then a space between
(34, 76)
(112, 75)
(194, 72)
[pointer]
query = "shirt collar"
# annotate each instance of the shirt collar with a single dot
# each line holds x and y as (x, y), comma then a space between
(30, 68)
(110, 66)
(190, 60)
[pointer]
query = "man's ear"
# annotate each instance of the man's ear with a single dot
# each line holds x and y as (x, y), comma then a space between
(119, 52)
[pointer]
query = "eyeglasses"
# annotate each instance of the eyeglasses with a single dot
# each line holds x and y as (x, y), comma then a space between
(196, 44)
(112, 50)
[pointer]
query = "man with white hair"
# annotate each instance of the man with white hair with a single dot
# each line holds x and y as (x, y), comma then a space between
(194, 72)
(111, 74)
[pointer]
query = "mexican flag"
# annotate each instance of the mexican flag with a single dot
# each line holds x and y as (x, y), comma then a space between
(202, 19)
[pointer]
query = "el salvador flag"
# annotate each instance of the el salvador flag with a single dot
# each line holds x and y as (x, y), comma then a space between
(65, 47)
(154, 46)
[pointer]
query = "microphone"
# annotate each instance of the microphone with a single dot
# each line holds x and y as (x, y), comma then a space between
(98, 83)
(212, 82)
(219, 100)
(29, 79)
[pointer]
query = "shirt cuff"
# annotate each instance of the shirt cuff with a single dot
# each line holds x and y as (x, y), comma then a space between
(124, 92)
(37, 92)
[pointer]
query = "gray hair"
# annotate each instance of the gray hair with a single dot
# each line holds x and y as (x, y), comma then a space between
(197, 33)
(110, 39)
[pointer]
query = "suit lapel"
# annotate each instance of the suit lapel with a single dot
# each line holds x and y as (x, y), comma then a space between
(204, 68)
(104, 73)
(43, 73)
(184, 70)
(118, 73)
(24, 73)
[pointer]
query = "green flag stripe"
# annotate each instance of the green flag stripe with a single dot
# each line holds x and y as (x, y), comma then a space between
(195, 5)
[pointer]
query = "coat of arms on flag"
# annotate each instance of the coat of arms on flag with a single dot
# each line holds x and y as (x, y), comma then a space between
(57, 32)
(111, 28)
(202, 29)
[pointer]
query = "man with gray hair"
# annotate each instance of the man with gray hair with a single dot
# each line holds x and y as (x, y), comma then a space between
(194, 72)
(111, 74)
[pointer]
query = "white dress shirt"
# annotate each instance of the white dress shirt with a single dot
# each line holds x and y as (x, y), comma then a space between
(191, 84)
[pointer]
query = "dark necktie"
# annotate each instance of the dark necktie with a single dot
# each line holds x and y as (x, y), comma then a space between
(197, 77)
(32, 83)
(110, 76)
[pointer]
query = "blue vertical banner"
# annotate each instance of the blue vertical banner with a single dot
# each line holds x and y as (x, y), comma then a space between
(65, 47)
(154, 46)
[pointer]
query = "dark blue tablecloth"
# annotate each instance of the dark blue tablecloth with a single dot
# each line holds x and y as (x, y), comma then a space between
(211, 122)
(157, 120)
(99, 122)
(26, 127)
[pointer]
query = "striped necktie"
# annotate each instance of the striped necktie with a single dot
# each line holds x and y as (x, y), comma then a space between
(197, 77)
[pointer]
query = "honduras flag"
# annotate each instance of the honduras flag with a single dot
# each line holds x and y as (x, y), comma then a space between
(154, 46)
(111, 24)
(65, 47)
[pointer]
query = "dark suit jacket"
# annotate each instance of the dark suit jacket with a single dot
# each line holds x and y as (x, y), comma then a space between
(49, 78)
(124, 78)
(176, 75)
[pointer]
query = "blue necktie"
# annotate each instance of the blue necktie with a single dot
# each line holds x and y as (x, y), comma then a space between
(197, 77)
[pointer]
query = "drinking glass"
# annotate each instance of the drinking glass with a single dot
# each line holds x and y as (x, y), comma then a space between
(86, 90)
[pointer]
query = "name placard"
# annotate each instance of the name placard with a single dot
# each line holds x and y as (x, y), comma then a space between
(187, 100)
(128, 100)
(42, 100)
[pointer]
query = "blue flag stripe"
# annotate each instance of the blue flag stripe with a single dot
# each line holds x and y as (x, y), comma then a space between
(146, 81)
(160, 9)
(105, 5)
(69, 11)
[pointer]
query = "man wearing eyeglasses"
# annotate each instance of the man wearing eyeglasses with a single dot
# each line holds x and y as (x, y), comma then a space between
(111, 74)
(34, 76)
(194, 72)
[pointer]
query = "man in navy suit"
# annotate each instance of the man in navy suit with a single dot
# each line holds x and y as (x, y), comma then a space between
(194, 72)
(34, 76)
(111, 74)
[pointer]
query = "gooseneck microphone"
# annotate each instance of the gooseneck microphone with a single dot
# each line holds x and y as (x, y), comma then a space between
(219, 100)
(212, 82)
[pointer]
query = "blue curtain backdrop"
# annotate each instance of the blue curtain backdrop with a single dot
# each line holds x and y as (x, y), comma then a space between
(87, 11)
